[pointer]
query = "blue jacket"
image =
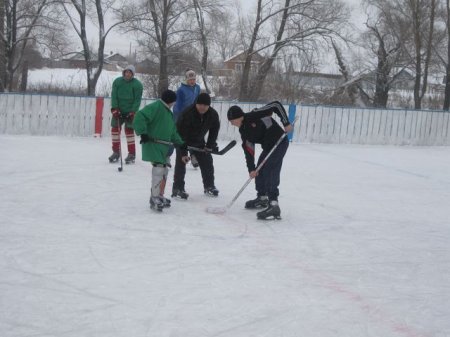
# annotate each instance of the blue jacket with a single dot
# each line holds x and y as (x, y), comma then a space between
(186, 96)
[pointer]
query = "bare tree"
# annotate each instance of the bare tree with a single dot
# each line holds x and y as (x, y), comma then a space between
(161, 30)
(2, 46)
(198, 8)
(417, 19)
(213, 10)
(384, 41)
(447, 62)
(351, 88)
(224, 36)
(20, 20)
(422, 57)
(296, 22)
(85, 11)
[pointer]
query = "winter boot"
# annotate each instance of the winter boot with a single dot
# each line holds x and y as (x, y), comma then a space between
(166, 202)
(194, 161)
(261, 201)
(179, 193)
(156, 203)
(130, 158)
(212, 191)
(271, 212)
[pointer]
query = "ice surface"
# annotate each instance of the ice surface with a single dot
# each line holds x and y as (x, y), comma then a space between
(363, 248)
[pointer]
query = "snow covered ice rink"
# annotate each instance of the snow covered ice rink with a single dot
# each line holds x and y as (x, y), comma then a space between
(363, 248)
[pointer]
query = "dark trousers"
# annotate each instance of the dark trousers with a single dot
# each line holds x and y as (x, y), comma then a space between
(205, 162)
(268, 179)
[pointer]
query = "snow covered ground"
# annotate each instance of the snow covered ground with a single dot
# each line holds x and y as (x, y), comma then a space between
(75, 80)
(362, 250)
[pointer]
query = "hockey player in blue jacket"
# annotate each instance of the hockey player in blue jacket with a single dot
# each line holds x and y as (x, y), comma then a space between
(187, 93)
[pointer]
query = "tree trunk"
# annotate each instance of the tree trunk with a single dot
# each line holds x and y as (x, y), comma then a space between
(256, 89)
(447, 68)
(428, 50)
(204, 41)
(24, 79)
(244, 87)
(382, 78)
(418, 55)
(2, 47)
(163, 81)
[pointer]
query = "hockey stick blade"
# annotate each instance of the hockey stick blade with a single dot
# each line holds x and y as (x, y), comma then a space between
(226, 148)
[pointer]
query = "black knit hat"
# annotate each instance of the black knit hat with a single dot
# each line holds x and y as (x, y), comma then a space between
(204, 98)
(168, 96)
(234, 112)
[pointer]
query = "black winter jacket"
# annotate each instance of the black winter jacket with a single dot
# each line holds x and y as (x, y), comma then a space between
(193, 127)
(258, 127)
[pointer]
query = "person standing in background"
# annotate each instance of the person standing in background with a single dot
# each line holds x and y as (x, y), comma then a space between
(187, 93)
(126, 98)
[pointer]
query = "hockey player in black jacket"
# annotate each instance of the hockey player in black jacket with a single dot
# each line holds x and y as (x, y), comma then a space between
(258, 127)
(194, 123)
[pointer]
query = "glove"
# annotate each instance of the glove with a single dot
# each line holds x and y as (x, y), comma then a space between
(144, 139)
(130, 116)
(115, 112)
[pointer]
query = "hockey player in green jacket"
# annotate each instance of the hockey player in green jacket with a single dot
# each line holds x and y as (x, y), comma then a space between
(155, 121)
(126, 98)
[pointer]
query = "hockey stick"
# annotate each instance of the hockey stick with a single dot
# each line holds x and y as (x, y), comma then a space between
(120, 169)
(221, 210)
(227, 148)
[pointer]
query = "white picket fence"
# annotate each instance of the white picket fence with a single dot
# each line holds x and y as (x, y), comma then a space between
(75, 116)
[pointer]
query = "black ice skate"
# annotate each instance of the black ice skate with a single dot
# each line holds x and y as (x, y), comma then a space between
(166, 202)
(270, 213)
(178, 193)
(114, 157)
(130, 158)
(260, 202)
(212, 191)
(156, 204)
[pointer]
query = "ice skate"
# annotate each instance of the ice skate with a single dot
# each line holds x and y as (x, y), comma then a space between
(114, 157)
(270, 213)
(166, 202)
(130, 158)
(212, 191)
(156, 204)
(179, 193)
(260, 202)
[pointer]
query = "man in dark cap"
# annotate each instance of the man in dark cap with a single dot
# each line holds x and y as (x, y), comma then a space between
(155, 121)
(258, 127)
(195, 122)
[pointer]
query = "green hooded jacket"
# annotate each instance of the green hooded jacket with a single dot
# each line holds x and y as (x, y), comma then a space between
(126, 95)
(156, 121)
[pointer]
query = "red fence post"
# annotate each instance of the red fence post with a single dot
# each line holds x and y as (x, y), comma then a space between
(98, 116)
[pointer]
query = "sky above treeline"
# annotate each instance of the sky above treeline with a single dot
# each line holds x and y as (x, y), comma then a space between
(121, 43)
